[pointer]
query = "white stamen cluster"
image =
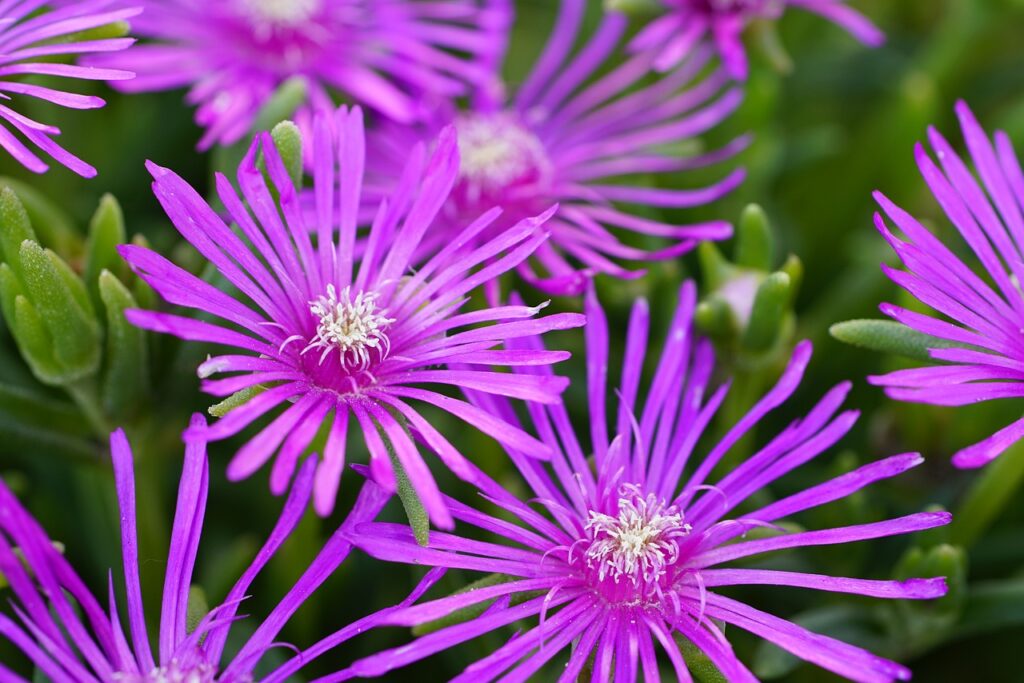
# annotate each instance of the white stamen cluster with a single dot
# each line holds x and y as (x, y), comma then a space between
(280, 12)
(355, 327)
(496, 151)
(640, 543)
(172, 673)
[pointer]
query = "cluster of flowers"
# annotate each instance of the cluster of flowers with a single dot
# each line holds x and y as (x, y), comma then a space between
(351, 310)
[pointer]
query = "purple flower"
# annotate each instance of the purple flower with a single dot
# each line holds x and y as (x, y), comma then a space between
(67, 634)
(329, 337)
(394, 56)
(564, 138)
(982, 315)
(31, 37)
(631, 551)
(689, 22)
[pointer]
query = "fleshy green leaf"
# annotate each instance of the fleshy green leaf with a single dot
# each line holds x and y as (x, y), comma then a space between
(701, 667)
(43, 217)
(35, 344)
(15, 228)
(234, 400)
(198, 607)
(106, 232)
(888, 336)
(58, 297)
(29, 408)
(460, 616)
(126, 377)
(995, 487)
(288, 140)
(770, 306)
(755, 245)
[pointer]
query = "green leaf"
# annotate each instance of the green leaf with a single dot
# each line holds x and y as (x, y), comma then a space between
(715, 318)
(35, 344)
(993, 488)
(888, 336)
(106, 232)
(699, 664)
(126, 384)
(26, 407)
(15, 228)
(992, 606)
(288, 140)
(10, 289)
(850, 623)
(414, 510)
(43, 218)
(461, 616)
(770, 306)
(59, 297)
(234, 400)
(633, 7)
(286, 100)
(754, 242)
(713, 266)
(198, 608)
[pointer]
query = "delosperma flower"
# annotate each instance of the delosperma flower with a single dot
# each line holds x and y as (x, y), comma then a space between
(626, 551)
(67, 634)
(394, 56)
(329, 337)
(980, 314)
(32, 34)
(689, 22)
(570, 136)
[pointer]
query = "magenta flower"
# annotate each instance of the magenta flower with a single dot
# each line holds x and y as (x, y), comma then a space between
(631, 551)
(395, 56)
(564, 138)
(70, 638)
(689, 22)
(982, 315)
(329, 337)
(30, 37)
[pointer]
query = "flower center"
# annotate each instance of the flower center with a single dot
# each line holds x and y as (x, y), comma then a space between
(354, 326)
(638, 544)
(281, 13)
(498, 157)
(172, 673)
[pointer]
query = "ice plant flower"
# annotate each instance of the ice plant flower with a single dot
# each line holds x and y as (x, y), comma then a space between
(689, 22)
(631, 547)
(32, 34)
(979, 314)
(64, 630)
(563, 138)
(395, 56)
(329, 337)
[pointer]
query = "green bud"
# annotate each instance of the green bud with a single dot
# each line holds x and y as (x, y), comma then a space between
(288, 140)
(888, 336)
(126, 377)
(106, 232)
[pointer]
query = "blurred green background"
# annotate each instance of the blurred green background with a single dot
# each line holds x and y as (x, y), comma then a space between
(840, 124)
